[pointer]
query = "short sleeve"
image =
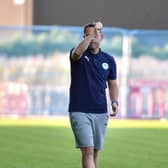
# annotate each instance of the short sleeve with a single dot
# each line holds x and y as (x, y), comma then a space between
(70, 54)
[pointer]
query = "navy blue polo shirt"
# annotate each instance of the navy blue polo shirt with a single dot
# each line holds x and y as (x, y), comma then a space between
(89, 77)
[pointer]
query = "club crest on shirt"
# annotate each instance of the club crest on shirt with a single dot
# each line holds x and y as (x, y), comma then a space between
(105, 65)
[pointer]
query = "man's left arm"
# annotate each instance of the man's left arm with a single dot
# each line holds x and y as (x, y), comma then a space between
(114, 93)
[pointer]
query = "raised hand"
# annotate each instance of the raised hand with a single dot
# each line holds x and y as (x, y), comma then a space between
(98, 27)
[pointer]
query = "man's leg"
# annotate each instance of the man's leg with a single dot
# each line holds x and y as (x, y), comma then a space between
(100, 126)
(96, 158)
(88, 157)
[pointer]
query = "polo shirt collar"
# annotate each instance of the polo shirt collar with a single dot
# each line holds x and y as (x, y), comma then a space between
(94, 54)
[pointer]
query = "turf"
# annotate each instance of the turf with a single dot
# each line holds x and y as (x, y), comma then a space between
(43, 144)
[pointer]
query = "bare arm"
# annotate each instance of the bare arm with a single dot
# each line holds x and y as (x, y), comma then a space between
(82, 47)
(114, 92)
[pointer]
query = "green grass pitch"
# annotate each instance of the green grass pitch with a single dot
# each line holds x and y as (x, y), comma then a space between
(49, 143)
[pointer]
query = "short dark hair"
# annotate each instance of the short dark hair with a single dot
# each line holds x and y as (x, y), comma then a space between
(92, 24)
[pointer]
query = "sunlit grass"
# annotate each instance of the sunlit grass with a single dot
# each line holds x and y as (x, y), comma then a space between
(64, 121)
(36, 121)
(48, 142)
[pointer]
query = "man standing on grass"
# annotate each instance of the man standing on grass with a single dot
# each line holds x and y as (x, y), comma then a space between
(91, 70)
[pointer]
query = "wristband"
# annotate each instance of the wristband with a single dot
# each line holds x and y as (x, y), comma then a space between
(114, 101)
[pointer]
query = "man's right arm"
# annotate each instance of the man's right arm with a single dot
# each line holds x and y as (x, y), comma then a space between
(81, 47)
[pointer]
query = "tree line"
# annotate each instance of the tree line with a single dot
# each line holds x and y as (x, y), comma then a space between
(48, 43)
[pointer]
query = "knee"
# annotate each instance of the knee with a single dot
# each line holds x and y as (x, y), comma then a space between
(87, 152)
